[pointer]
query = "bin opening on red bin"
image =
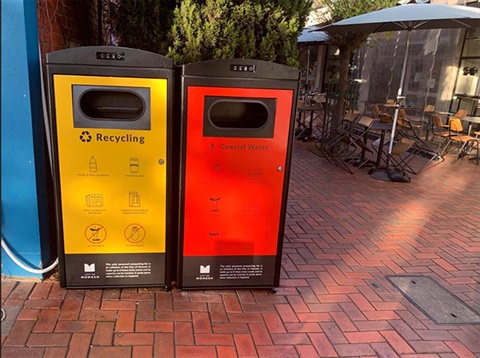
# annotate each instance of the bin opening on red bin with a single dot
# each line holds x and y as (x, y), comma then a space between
(241, 117)
(238, 114)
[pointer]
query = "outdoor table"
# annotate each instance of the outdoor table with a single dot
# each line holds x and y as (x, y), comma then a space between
(383, 128)
(470, 120)
(303, 110)
(429, 123)
(387, 106)
(473, 99)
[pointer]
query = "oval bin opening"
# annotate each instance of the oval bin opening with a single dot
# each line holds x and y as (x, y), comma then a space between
(112, 105)
(238, 114)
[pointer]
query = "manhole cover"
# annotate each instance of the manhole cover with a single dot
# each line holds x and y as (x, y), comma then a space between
(439, 304)
(4, 314)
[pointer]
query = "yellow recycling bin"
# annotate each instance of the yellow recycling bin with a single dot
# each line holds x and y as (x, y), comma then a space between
(110, 111)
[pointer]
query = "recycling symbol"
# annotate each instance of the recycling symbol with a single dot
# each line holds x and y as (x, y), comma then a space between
(85, 136)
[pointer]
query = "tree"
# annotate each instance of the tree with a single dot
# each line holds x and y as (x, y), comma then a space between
(213, 29)
(144, 24)
(348, 42)
(196, 30)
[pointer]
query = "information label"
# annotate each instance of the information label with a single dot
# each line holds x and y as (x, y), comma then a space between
(113, 187)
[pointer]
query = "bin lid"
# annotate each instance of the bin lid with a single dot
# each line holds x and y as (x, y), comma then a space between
(109, 56)
(241, 68)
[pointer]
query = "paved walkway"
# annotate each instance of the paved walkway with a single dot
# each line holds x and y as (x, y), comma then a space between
(344, 234)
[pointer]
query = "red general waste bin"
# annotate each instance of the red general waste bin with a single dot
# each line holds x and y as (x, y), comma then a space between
(237, 122)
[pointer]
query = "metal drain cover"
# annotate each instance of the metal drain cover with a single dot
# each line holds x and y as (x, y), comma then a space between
(439, 304)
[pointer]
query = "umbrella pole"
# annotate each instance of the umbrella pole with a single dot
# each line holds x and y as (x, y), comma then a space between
(307, 76)
(383, 176)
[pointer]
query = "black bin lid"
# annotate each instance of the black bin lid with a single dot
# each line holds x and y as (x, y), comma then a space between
(241, 68)
(109, 56)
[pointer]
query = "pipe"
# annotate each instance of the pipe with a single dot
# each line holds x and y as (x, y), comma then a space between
(22, 265)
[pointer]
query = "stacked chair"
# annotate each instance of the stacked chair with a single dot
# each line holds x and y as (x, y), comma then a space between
(410, 146)
(346, 145)
(409, 152)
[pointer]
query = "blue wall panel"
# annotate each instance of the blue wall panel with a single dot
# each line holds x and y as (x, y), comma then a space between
(24, 190)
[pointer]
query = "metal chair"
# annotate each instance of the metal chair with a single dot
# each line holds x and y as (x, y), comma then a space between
(402, 154)
(429, 108)
(468, 147)
(385, 118)
(375, 111)
(408, 124)
(456, 133)
(461, 113)
(409, 146)
(428, 112)
(441, 131)
(469, 143)
(347, 148)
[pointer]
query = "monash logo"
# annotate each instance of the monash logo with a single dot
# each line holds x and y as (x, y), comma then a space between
(89, 267)
(205, 269)
(86, 137)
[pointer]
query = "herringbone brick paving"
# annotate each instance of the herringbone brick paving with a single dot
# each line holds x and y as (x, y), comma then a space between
(344, 234)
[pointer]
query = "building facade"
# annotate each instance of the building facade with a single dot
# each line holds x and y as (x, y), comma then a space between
(442, 68)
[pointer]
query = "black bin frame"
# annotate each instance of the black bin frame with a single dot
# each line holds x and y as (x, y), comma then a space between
(232, 73)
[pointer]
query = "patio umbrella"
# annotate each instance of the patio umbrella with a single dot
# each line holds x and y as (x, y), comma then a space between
(311, 35)
(407, 17)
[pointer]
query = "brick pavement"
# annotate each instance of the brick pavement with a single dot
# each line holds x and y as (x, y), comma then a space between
(344, 233)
